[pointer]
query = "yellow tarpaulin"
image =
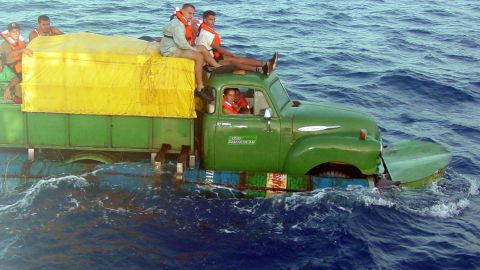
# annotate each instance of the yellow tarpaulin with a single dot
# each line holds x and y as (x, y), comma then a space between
(87, 73)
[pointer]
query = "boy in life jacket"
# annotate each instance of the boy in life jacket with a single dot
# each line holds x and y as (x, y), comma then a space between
(8, 81)
(179, 41)
(44, 28)
(209, 38)
(13, 47)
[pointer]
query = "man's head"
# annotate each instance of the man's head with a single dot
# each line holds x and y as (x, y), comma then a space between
(44, 23)
(209, 18)
(230, 94)
(188, 10)
(14, 30)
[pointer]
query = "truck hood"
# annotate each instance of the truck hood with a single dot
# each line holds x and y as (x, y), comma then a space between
(323, 118)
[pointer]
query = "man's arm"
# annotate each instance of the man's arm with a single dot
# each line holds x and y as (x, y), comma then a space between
(32, 35)
(226, 111)
(57, 31)
(179, 38)
(9, 53)
(221, 50)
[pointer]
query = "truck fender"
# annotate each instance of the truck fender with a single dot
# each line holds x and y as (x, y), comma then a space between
(101, 157)
(311, 151)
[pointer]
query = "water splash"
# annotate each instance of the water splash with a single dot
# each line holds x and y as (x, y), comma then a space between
(443, 209)
(38, 187)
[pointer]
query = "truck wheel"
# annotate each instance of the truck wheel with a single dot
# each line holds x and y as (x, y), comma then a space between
(333, 174)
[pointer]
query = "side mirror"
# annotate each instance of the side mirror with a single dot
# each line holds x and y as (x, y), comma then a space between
(210, 93)
(207, 94)
(268, 114)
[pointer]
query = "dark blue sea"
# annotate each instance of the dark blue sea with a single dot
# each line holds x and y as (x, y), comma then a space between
(413, 65)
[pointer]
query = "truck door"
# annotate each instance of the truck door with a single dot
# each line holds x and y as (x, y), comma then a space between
(247, 141)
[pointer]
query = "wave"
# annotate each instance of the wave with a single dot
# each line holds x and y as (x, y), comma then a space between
(6, 244)
(404, 45)
(462, 58)
(39, 187)
(439, 12)
(476, 85)
(416, 20)
(339, 16)
(414, 84)
(444, 209)
(420, 31)
(468, 42)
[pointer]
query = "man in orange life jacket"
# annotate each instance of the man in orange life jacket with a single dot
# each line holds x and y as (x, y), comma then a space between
(13, 47)
(211, 40)
(178, 41)
(229, 106)
(232, 104)
(44, 28)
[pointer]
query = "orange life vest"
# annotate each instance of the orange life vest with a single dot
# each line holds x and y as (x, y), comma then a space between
(16, 46)
(216, 39)
(229, 106)
(188, 28)
(242, 101)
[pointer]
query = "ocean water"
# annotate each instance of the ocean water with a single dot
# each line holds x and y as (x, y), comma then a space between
(413, 65)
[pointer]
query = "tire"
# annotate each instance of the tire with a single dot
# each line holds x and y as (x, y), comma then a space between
(333, 174)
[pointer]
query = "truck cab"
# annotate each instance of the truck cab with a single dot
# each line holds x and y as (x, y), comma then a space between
(285, 136)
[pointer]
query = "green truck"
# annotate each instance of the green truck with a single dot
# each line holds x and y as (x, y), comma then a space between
(279, 135)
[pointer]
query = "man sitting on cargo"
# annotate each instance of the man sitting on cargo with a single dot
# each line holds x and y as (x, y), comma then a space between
(44, 28)
(13, 47)
(178, 40)
(8, 81)
(211, 40)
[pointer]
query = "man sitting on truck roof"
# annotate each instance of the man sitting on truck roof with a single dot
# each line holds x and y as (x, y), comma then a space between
(211, 40)
(13, 47)
(8, 81)
(178, 40)
(44, 28)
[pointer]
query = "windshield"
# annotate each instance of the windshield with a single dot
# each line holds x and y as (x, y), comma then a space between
(279, 94)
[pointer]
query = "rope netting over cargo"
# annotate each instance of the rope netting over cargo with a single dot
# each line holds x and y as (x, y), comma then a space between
(87, 73)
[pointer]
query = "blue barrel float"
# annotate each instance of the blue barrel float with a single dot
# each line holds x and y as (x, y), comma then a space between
(15, 166)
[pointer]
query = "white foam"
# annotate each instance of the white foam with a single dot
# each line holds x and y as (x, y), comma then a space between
(247, 209)
(41, 185)
(377, 201)
(348, 210)
(444, 209)
(72, 203)
(436, 189)
(374, 197)
(6, 244)
(299, 199)
(474, 188)
(227, 231)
